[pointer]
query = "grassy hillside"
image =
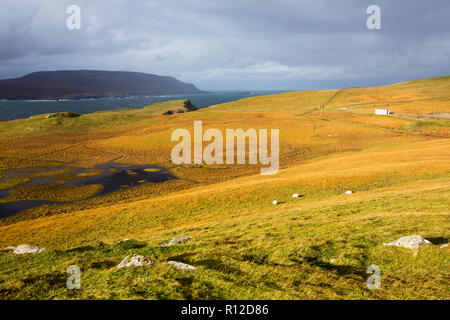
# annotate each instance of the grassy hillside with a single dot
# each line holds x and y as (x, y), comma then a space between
(423, 96)
(102, 120)
(314, 247)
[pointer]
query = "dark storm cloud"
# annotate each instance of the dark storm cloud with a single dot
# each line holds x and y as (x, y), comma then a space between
(254, 44)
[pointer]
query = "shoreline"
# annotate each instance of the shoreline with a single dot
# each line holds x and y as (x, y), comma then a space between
(24, 109)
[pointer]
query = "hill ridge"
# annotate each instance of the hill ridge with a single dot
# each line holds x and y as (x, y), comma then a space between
(78, 84)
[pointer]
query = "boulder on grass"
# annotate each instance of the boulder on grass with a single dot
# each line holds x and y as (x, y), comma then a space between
(175, 241)
(28, 249)
(135, 260)
(180, 265)
(410, 242)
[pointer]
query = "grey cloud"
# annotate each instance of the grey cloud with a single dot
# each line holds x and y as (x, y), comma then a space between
(254, 44)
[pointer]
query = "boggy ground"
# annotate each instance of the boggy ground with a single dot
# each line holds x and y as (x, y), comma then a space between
(317, 246)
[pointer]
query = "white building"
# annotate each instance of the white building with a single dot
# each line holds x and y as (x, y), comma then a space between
(382, 111)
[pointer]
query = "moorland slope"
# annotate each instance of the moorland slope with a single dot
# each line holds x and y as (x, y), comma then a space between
(316, 246)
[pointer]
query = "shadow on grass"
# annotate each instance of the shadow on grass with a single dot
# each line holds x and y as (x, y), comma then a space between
(217, 265)
(438, 240)
(256, 257)
(102, 264)
(182, 257)
(342, 270)
(131, 244)
(8, 293)
(80, 249)
(47, 280)
(96, 246)
(194, 290)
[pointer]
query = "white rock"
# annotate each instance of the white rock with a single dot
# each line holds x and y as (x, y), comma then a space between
(295, 195)
(135, 260)
(164, 244)
(175, 241)
(444, 246)
(348, 192)
(333, 261)
(275, 202)
(180, 240)
(28, 249)
(10, 248)
(180, 266)
(410, 242)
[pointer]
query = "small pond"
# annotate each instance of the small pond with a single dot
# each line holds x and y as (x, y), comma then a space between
(112, 176)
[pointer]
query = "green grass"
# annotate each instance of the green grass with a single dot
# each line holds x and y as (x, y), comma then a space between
(282, 256)
(101, 120)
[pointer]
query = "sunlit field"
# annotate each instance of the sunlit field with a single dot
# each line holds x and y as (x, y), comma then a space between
(316, 246)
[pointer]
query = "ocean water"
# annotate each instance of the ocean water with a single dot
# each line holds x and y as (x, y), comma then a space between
(19, 109)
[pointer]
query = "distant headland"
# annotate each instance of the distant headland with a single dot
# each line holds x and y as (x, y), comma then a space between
(85, 84)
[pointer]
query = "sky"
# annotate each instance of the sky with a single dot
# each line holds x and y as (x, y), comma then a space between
(232, 45)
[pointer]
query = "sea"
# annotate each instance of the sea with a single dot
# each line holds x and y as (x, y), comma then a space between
(20, 109)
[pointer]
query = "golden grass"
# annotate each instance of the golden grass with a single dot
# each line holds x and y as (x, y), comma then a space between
(243, 246)
(152, 170)
(13, 183)
(421, 107)
(54, 191)
(360, 170)
(425, 89)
